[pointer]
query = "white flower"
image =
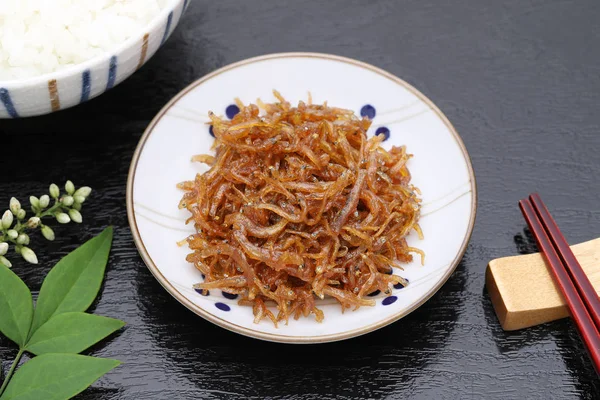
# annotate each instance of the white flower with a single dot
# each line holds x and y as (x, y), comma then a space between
(5, 262)
(67, 201)
(34, 201)
(23, 238)
(7, 219)
(15, 205)
(29, 255)
(54, 191)
(3, 248)
(44, 201)
(21, 214)
(48, 232)
(83, 191)
(33, 222)
(78, 199)
(69, 187)
(63, 218)
(75, 216)
(12, 234)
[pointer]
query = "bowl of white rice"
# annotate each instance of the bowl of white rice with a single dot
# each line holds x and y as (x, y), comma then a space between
(55, 54)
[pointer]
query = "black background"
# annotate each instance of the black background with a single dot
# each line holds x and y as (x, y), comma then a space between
(520, 81)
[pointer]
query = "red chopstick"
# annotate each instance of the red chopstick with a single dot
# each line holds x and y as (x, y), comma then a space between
(585, 324)
(579, 278)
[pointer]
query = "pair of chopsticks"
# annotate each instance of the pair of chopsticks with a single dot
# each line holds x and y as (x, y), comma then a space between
(578, 292)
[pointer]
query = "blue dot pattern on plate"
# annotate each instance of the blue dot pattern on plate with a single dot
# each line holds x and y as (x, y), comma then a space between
(222, 306)
(368, 111)
(389, 300)
(230, 296)
(231, 111)
(202, 292)
(211, 131)
(399, 285)
(382, 130)
(375, 293)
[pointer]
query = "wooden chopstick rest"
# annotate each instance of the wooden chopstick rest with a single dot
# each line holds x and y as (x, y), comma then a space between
(522, 289)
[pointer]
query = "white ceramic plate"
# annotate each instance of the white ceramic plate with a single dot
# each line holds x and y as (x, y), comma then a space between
(441, 168)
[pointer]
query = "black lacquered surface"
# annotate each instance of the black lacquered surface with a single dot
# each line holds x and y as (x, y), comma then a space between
(520, 82)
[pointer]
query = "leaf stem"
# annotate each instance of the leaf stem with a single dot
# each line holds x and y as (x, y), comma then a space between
(57, 205)
(11, 370)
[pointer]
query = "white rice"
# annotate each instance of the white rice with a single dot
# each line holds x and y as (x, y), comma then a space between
(42, 36)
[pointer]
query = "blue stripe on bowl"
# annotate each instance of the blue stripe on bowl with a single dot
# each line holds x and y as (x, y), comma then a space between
(8, 104)
(167, 28)
(183, 9)
(112, 73)
(86, 86)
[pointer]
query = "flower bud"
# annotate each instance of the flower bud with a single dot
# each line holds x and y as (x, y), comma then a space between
(69, 187)
(3, 248)
(33, 222)
(54, 191)
(23, 238)
(76, 205)
(75, 216)
(67, 200)
(5, 262)
(29, 255)
(21, 214)
(15, 205)
(83, 191)
(78, 199)
(48, 232)
(63, 218)
(12, 234)
(44, 201)
(7, 219)
(18, 249)
(34, 201)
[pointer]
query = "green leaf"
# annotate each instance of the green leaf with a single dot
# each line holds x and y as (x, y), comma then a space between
(16, 307)
(74, 282)
(71, 332)
(56, 376)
